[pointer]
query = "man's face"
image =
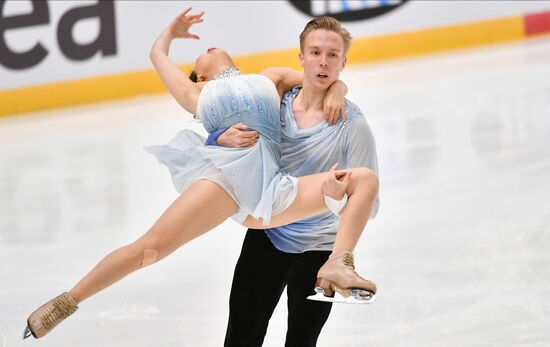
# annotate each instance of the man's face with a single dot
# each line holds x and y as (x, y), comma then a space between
(322, 57)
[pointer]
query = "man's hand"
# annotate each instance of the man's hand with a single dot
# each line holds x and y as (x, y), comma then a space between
(336, 183)
(238, 137)
(334, 104)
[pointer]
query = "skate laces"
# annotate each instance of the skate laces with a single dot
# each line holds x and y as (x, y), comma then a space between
(348, 260)
(60, 309)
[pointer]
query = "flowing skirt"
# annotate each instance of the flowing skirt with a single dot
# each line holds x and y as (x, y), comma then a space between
(251, 176)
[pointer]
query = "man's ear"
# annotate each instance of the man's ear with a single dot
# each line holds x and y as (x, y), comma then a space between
(301, 58)
(344, 63)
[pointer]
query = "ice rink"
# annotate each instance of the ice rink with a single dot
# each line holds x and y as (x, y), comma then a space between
(460, 250)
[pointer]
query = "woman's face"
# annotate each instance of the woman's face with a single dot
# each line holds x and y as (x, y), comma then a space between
(211, 62)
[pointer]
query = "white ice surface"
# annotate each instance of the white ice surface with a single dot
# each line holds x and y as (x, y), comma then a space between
(460, 250)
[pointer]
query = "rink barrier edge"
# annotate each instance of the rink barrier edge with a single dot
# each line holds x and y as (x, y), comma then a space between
(364, 50)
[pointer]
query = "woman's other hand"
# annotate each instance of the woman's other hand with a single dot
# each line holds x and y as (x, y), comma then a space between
(334, 105)
(179, 28)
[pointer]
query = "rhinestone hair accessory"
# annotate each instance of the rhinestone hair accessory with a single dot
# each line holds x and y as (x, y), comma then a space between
(227, 72)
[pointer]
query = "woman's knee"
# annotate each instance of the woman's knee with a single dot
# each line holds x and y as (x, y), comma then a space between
(367, 177)
(147, 250)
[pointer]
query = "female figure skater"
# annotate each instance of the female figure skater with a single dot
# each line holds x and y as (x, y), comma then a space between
(217, 182)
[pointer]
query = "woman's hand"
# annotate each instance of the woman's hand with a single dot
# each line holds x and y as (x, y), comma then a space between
(336, 183)
(179, 28)
(334, 104)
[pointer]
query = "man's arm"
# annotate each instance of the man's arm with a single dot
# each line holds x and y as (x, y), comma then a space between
(212, 139)
(237, 136)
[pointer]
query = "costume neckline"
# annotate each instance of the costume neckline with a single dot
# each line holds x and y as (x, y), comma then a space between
(225, 73)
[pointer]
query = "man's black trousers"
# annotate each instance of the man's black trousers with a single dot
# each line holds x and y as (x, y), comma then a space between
(261, 274)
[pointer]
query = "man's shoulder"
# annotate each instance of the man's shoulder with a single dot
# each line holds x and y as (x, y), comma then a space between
(352, 110)
(357, 124)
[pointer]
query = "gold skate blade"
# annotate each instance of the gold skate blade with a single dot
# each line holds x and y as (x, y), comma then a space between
(339, 299)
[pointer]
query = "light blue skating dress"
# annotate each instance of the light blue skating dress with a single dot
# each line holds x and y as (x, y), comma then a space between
(252, 176)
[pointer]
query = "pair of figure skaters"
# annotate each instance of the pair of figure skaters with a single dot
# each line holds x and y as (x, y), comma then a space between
(280, 177)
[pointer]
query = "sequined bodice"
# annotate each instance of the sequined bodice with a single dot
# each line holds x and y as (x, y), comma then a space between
(249, 99)
(227, 72)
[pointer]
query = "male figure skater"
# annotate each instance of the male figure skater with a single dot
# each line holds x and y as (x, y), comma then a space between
(292, 255)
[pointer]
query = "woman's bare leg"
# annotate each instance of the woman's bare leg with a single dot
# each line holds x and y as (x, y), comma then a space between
(205, 205)
(361, 190)
(338, 273)
(200, 208)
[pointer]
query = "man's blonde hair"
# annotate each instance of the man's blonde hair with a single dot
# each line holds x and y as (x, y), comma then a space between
(326, 23)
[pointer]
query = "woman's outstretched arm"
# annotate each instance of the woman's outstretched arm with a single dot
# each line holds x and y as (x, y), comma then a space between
(180, 86)
(284, 78)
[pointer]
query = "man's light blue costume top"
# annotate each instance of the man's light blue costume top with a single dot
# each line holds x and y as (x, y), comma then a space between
(313, 150)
